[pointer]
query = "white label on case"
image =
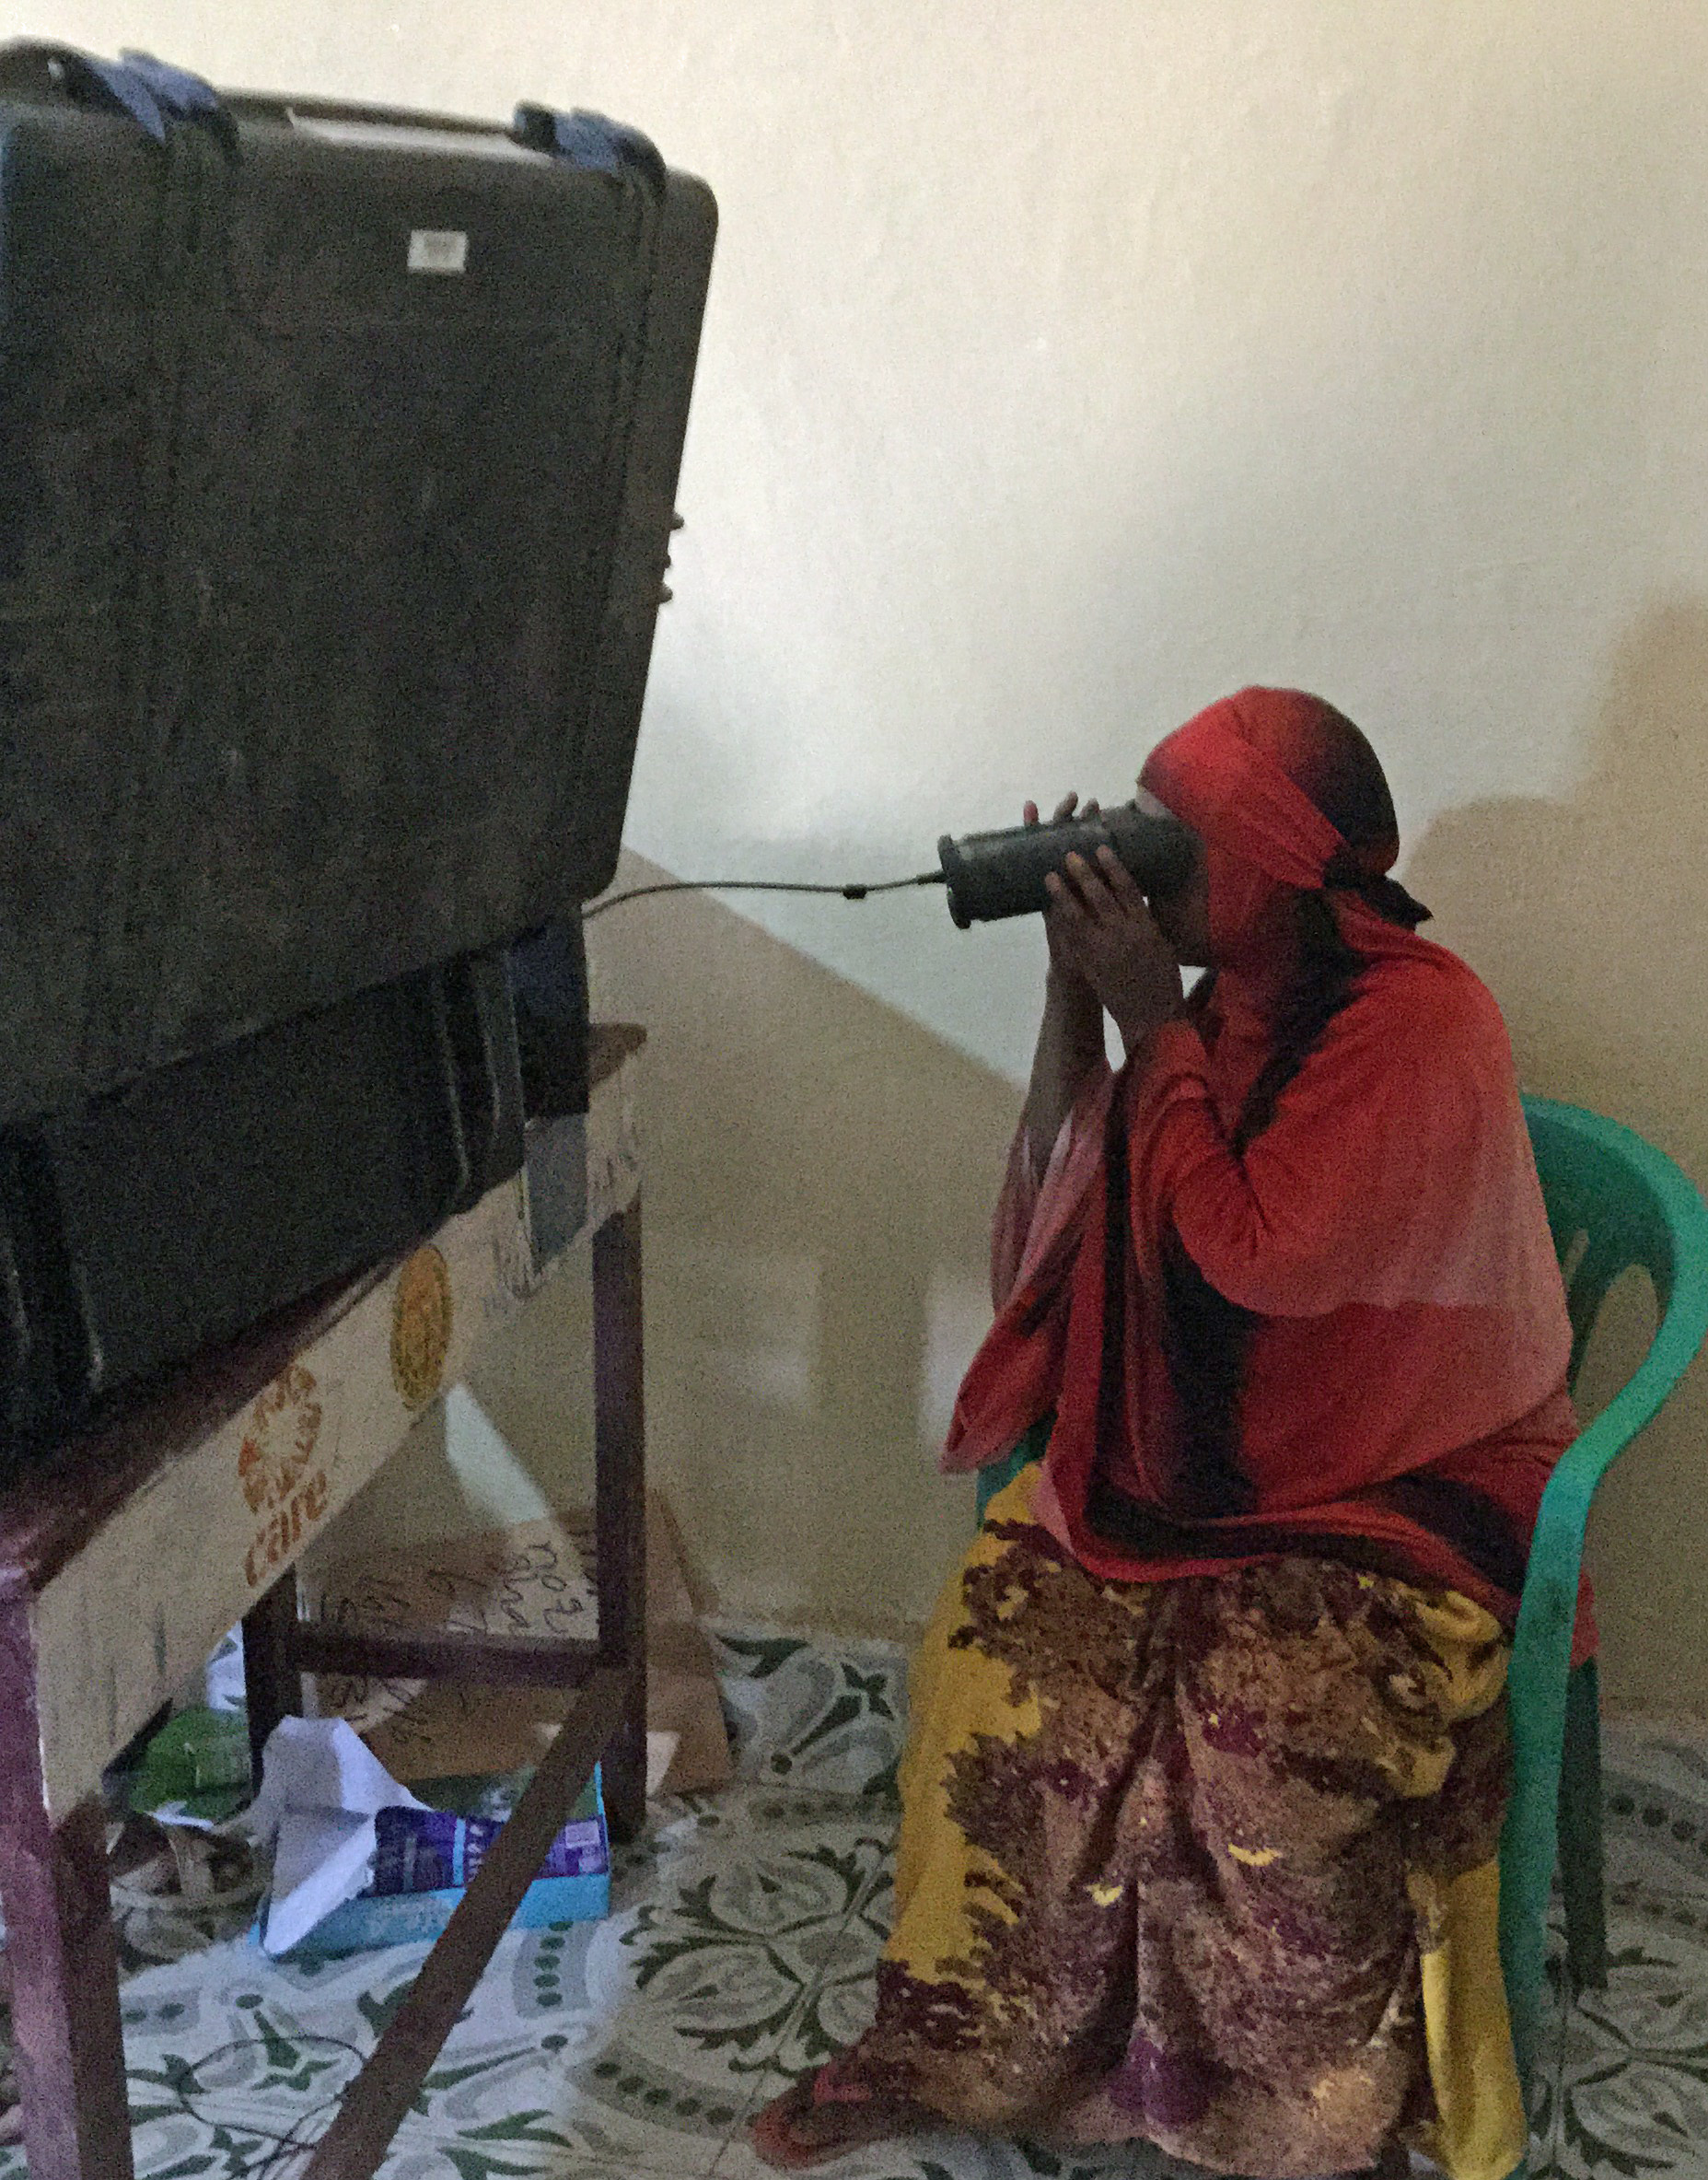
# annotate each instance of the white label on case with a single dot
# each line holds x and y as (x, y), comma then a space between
(437, 250)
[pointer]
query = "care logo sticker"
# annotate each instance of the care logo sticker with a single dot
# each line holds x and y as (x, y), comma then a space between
(282, 1481)
(279, 1443)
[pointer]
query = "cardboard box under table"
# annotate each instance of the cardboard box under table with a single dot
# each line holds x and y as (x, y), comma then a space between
(123, 1564)
(529, 1578)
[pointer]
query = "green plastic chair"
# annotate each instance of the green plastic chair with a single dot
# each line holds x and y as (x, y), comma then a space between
(1614, 1202)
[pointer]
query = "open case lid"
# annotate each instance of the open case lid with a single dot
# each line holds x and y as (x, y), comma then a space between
(338, 456)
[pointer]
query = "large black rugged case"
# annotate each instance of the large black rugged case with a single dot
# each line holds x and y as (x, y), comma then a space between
(338, 456)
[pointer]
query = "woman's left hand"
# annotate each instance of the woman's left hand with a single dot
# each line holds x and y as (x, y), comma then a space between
(1102, 929)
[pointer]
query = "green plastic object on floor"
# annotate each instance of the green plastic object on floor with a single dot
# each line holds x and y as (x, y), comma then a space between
(197, 1766)
(1614, 1203)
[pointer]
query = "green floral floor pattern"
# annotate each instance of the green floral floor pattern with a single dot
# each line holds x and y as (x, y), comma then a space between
(739, 1952)
(1628, 2094)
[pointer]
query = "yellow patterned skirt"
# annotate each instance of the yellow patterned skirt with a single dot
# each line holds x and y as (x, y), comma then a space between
(1208, 1863)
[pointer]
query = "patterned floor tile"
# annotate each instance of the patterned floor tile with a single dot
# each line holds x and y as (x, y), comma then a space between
(1675, 1756)
(705, 1977)
(841, 2004)
(825, 1715)
(717, 1824)
(1633, 2096)
(1655, 1832)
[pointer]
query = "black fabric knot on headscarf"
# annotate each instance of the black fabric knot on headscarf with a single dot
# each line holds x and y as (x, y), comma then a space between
(1386, 895)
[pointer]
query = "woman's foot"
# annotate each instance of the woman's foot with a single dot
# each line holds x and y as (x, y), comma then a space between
(794, 2132)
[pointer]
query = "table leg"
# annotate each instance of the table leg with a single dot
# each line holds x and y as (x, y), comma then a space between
(619, 1518)
(61, 1951)
(272, 1679)
(373, 2105)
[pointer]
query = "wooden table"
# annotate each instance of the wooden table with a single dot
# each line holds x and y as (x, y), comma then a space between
(123, 1564)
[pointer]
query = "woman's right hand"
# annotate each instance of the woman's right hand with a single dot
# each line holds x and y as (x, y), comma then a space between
(1070, 1036)
(1064, 977)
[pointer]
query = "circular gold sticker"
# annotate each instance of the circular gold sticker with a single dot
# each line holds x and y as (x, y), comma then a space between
(421, 1327)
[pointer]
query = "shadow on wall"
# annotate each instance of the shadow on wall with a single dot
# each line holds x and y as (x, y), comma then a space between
(820, 1173)
(1589, 920)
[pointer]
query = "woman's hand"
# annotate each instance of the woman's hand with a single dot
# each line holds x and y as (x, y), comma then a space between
(1070, 1036)
(1072, 982)
(1102, 932)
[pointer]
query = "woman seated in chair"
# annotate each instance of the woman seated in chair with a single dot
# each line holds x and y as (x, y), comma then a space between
(1208, 1755)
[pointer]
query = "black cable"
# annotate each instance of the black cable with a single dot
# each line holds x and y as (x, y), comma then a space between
(760, 885)
(181, 2081)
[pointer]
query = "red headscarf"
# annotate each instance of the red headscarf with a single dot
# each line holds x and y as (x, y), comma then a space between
(1383, 1239)
(1249, 774)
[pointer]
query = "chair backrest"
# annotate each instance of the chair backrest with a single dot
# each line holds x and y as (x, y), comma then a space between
(1614, 1202)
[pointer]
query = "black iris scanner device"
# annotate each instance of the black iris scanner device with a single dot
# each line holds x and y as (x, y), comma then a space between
(990, 875)
(994, 875)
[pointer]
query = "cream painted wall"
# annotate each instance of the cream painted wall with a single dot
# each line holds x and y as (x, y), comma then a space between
(1066, 365)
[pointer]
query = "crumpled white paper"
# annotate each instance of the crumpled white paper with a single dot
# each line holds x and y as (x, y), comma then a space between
(321, 1787)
